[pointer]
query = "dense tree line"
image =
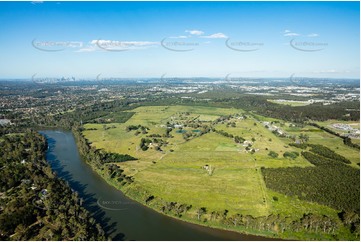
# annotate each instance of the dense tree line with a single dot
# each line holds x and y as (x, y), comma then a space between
(323, 151)
(328, 153)
(274, 223)
(300, 146)
(317, 111)
(101, 160)
(237, 139)
(34, 203)
(330, 182)
(277, 223)
(136, 127)
(115, 157)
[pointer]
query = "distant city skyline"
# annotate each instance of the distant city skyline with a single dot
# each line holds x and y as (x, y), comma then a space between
(179, 39)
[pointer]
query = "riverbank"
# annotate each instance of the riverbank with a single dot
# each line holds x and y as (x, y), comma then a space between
(123, 218)
(267, 226)
(137, 193)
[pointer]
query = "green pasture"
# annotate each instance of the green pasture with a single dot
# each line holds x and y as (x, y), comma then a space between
(177, 173)
(318, 136)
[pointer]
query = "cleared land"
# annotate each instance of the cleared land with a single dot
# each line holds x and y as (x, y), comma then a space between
(208, 169)
(290, 102)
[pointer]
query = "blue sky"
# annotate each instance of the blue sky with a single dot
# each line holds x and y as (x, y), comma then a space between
(183, 39)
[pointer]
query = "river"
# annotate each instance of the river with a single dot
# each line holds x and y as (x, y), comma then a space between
(121, 218)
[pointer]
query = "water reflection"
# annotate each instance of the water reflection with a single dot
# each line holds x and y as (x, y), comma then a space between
(121, 217)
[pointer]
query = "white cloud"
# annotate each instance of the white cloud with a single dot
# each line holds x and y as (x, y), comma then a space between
(178, 37)
(37, 2)
(195, 32)
(116, 45)
(289, 33)
(123, 45)
(313, 35)
(292, 34)
(89, 48)
(215, 36)
(326, 71)
(331, 71)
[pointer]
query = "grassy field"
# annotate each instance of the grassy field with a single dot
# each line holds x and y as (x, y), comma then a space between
(353, 124)
(290, 103)
(232, 179)
(317, 136)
